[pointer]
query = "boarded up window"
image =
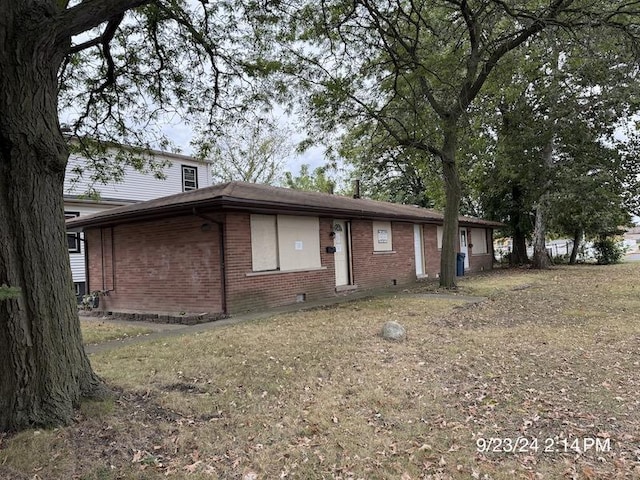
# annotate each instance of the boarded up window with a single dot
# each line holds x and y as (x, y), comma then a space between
(382, 238)
(264, 243)
(479, 241)
(439, 231)
(284, 242)
(298, 242)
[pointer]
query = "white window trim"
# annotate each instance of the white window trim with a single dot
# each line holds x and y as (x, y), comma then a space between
(78, 249)
(185, 187)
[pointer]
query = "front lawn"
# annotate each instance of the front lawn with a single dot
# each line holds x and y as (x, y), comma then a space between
(99, 331)
(549, 362)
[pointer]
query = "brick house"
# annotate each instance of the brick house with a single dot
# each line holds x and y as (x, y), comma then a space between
(239, 246)
(180, 174)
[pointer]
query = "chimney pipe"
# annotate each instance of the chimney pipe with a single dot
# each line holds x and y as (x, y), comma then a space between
(356, 188)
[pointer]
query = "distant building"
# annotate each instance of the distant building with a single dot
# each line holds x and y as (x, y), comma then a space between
(632, 240)
(183, 174)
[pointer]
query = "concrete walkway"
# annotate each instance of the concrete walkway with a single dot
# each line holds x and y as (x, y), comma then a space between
(162, 330)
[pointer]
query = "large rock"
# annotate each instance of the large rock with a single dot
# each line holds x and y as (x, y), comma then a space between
(394, 331)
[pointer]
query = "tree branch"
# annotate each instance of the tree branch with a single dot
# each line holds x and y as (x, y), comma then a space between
(92, 13)
(468, 93)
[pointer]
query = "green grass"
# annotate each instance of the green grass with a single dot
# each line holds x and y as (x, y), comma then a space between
(320, 394)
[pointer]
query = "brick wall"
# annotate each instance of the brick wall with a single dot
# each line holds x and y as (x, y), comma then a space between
(378, 269)
(163, 266)
(173, 265)
(431, 252)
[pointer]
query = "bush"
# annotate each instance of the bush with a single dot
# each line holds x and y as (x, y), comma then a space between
(608, 251)
(563, 258)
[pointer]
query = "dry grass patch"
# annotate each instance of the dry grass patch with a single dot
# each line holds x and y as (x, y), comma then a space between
(319, 394)
(97, 331)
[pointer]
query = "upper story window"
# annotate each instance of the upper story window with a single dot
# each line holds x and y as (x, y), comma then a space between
(73, 238)
(189, 178)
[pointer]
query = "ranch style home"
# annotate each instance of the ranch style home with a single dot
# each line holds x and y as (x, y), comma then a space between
(239, 246)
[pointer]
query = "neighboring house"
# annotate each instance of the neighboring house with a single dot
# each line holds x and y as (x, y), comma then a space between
(632, 240)
(239, 246)
(183, 174)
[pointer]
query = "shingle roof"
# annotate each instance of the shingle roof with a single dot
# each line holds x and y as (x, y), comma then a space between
(265, 198)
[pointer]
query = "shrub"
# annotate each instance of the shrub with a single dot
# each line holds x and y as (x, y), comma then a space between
(608, 251)
(563, 258)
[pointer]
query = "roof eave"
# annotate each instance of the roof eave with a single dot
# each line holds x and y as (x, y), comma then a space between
(230, 203)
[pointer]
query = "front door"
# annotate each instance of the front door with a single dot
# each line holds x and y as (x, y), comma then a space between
(418, 246)
(463, 247)
(341, 241)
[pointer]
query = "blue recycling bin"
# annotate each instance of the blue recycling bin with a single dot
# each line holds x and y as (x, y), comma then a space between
(460, 264)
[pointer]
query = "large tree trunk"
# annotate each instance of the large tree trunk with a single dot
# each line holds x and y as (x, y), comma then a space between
(576, 246)
(519, 251)
(44, 370)
(453, 192)
(541, 258)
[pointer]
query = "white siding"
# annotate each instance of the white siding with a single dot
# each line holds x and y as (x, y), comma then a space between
(136, 185)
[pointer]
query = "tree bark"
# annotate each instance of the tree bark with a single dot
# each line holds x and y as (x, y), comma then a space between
(576, 246)
(519, 251)
(541, 258)
(453, 192)
(44, 371)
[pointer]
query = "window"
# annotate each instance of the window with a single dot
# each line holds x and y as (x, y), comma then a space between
(298, 242)
(479, 241)
(382, 238)
(189, 178)
(264, 243)
(73, 238)
(284, 242)
(439, 231)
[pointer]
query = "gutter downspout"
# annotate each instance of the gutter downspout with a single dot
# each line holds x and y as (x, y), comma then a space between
(86, 263)
(223, 269)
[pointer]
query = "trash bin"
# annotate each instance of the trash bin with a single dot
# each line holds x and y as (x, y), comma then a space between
(460, 264)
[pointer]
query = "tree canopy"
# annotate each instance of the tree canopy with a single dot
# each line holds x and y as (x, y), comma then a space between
(411, 70)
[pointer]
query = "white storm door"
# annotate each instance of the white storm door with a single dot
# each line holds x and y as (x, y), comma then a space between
(463, 247)
(341, 255)
(418, 246)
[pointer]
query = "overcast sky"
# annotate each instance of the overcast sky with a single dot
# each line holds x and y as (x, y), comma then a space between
(181, 134)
